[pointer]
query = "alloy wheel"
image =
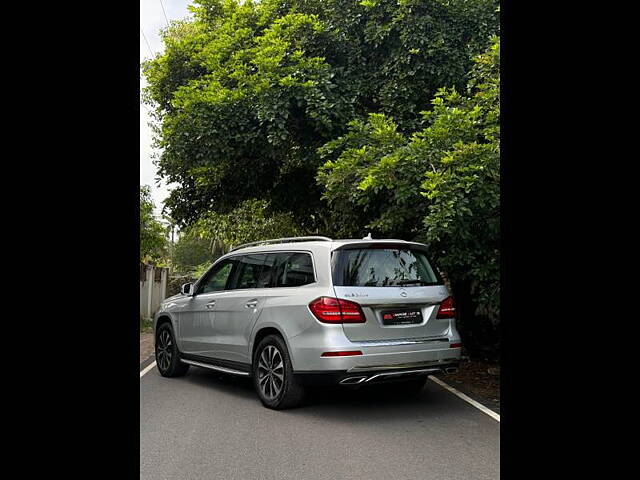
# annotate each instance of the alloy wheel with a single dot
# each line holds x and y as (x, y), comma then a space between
(270, 372)
(165, 350)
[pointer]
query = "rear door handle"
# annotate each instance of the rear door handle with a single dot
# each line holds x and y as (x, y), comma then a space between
(211, 304)
(251, 304)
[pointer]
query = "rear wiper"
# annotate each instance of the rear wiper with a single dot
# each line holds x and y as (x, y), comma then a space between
(411, 282)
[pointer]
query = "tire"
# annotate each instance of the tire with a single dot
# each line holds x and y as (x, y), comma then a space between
(273, 375)
(167, 353)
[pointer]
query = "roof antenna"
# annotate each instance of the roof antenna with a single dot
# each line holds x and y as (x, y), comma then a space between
(368, 237)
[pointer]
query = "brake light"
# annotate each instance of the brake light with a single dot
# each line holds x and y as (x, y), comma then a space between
(447, 308)
(336, 310)
(455, 345)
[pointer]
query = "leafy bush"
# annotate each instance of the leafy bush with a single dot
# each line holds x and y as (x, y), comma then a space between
(146, 325)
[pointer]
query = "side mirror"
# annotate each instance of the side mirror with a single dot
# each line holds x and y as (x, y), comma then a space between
(187, 289)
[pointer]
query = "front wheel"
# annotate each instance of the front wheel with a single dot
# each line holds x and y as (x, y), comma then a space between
(167, 355)
(273, 375)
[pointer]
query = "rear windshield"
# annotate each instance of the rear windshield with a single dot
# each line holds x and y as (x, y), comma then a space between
(382, 267)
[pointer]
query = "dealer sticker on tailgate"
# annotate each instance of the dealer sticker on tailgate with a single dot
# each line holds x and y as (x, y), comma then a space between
(402, 317)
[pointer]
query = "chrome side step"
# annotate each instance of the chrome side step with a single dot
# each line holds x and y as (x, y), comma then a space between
(215, 367)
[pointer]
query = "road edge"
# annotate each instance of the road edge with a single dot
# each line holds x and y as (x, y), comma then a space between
(148, 361)
(484, 409)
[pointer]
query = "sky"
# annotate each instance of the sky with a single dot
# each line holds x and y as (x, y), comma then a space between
(152, 19)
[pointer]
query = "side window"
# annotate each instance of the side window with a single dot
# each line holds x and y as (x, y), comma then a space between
(248, 272)
(216, 279)
(268, 273)
(293, 270)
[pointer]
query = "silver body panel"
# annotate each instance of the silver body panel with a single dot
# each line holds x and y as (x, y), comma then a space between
(223, 325)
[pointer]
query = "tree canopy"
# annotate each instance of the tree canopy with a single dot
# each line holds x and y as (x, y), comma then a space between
(246, 92)
(440, 185)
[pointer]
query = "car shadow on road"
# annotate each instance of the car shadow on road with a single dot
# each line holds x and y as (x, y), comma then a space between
(228, 384)
(382, 403)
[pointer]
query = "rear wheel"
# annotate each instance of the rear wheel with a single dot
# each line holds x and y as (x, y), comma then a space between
(167, 354)
(273, 375)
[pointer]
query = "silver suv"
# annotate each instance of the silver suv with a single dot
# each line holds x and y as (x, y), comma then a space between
(296, 312)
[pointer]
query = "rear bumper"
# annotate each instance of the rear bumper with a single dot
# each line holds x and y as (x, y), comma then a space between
(435, 352)
(375, 355)
(357, 377)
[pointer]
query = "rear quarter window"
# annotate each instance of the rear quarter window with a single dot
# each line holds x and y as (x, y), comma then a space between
(247, 273)
(288, 269)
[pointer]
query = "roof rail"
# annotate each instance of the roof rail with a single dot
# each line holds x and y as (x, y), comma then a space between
(281, 240)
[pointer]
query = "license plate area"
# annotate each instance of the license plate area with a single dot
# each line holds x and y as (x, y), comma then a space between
(412, 316)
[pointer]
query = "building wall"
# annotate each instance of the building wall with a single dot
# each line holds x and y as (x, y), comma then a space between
(153, 289)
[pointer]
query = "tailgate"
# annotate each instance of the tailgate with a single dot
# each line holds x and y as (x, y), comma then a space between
(396, 286)
(402, 307)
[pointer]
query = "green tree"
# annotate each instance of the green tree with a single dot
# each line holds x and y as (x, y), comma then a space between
(189, 252)
(214, 234)
(247, 92)
(441, 185)
(153, 240)
(463, 188)
(247, 223)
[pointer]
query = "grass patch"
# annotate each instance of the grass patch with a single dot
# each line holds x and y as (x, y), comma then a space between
(146, 325)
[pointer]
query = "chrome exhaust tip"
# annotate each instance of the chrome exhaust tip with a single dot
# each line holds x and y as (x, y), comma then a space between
(451, 369)
(352, 380)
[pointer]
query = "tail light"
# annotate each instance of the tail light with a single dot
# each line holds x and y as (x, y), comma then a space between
(336, 310)
(447, 308)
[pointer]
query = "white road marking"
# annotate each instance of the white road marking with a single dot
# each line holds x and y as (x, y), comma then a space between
(479, 406)
(149, 367)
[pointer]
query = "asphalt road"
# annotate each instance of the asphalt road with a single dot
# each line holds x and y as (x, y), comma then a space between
(211, 426)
